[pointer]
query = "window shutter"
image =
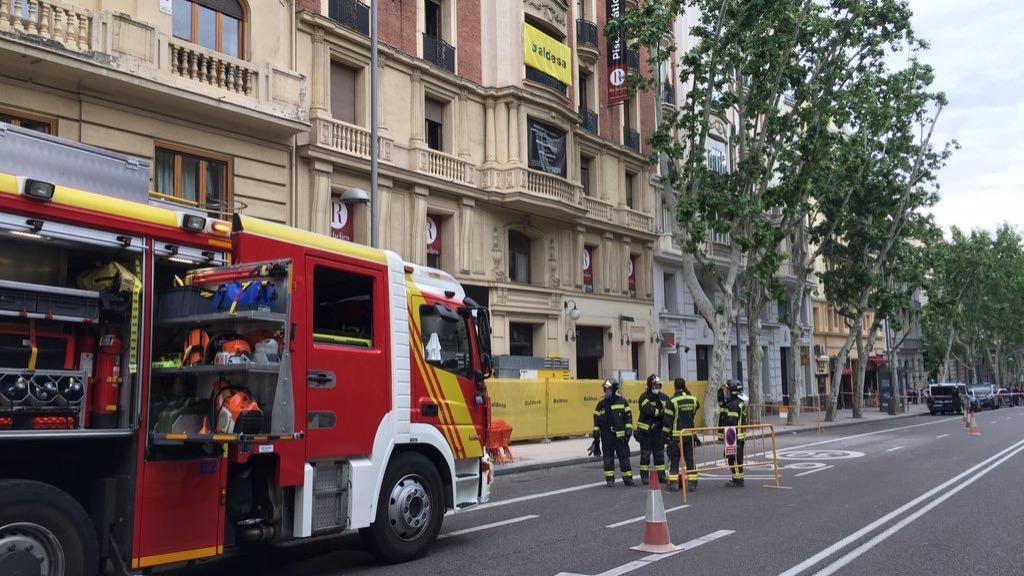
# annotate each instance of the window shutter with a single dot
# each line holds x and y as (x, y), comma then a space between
(228, 7)
(343, 93)
(434, 111)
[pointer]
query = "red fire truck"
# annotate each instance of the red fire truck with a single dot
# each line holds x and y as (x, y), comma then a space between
(174, 386)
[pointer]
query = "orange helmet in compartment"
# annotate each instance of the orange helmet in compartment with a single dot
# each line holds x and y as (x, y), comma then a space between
(195, 347)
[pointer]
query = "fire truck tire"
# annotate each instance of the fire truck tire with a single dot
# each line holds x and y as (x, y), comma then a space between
(44, 525)
(409, 510)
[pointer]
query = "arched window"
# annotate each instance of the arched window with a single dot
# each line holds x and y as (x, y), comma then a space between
(213, 24)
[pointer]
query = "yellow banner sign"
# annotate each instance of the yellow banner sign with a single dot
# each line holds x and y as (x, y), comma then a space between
(546, 54)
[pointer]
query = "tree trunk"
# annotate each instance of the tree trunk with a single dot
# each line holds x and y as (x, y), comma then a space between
(863, 351)
(796, 336)
(837, 376)
(716, 372)
(949, 351)
(755, 359)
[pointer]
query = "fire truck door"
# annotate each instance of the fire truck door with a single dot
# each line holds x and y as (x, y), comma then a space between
(348, 387)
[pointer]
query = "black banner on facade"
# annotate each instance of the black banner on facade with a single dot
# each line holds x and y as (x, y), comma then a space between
(616, 57)
(547, 148)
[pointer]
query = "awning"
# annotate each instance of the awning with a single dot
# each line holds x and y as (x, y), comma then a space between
(847, 372)
(878, 361)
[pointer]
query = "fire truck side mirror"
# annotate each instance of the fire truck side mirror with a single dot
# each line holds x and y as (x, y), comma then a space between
(486, 367)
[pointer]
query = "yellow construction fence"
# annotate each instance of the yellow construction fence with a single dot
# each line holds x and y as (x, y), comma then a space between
(539, 409)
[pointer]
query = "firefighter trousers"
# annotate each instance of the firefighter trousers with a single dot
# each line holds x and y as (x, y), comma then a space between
(736, 462)
(652, 444)
(687, 456)
(612, 447)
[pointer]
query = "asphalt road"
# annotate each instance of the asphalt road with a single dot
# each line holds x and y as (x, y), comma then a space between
(912, 496)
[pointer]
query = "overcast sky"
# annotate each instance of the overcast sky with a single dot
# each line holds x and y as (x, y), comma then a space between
(977, 49)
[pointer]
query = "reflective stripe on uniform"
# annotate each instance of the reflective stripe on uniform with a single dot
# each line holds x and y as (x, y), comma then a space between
(643, 426)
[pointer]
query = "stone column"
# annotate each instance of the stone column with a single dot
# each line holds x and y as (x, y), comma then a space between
(467, 209)
(609, 280)
(513, 132)
(489, 152)
(462, 125)
(321, 76)
(581, 244)
(416, 97)
(502, 129)
(320, 207)
(418, 225)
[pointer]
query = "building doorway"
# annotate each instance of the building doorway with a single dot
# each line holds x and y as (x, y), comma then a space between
(589, 352)
(520, 339)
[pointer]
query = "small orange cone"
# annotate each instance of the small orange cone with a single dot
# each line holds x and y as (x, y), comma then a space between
(656, 538)
(972, 426)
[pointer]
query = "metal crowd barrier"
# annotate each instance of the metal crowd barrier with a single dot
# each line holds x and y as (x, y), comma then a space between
(759, 451)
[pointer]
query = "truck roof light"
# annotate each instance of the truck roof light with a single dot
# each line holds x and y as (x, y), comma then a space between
(39, 190)
(193, 223)
(221, 227)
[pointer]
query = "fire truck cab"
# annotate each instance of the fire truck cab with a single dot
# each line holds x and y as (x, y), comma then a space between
(174, 386)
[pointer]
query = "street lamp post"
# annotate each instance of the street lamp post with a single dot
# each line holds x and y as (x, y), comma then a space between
(374, 89)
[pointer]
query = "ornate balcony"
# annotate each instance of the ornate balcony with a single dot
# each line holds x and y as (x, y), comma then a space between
(351, 14)
(596, 208)
(638, 221)
(588, 120)
(348, 139)
(631, 139)
(528, 189)
(212, 68)
(445, 166)
(67, 25)
(587, 43)
(439, 53)
(633, 60)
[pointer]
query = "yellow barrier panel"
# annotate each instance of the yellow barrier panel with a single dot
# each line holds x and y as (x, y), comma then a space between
(539, 409)
(570, 408)
(521, 403)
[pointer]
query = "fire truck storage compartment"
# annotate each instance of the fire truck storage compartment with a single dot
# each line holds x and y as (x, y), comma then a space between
(221, 368)
(55, 332)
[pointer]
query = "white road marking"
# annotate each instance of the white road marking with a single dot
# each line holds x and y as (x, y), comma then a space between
(895, 448)
(941, 436)
(639, 518)
(651, 559)
(994, 422)
(882, 536)
(534, 496)
(713, 476)
(1009, 417)
(813, 471)
(829, 551)
(488, 526)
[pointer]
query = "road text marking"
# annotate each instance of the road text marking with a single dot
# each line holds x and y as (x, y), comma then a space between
(639, 518)
(895, 448)
(488, 526)
(813, 471)
(647, 560)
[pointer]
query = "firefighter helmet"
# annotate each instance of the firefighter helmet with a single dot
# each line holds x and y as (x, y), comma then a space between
(611, 383)
(735, 386)
(652, 380)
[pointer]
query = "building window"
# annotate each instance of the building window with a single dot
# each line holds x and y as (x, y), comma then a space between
(546, 148)
(703, 355)
(343, 308)
(445, 341)
(585, 175)
(671, 294)
(434, 244)
(213, 24)
(518, 257)
(520, 339)
(783, 308)
(630, 190)
(343, 92)
(193, 179)
(589, 351)
(636, 355)
(37, 123)
(718, 156)
(433, 20)
(434, 113)
(583, 88)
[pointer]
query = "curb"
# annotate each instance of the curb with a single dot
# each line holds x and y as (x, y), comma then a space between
(576, 460)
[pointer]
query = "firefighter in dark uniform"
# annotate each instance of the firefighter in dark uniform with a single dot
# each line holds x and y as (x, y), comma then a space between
(679, 416)
(733, 412)
(613, 426)
(648, 433)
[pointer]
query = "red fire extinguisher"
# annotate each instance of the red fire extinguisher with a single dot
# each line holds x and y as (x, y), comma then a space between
(86, 349)
(106, 382)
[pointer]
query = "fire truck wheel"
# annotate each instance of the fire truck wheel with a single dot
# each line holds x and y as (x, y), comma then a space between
(44, 531)
(409, 510)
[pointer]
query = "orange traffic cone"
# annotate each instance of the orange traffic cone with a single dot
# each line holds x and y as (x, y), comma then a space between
(656, 538)
(972, 426)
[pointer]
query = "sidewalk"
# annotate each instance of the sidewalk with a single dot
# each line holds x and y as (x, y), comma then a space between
(538, 455)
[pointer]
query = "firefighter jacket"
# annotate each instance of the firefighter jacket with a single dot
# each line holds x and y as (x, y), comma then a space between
(613, 416)
(652, 411)
(733, 413)
(679, 414)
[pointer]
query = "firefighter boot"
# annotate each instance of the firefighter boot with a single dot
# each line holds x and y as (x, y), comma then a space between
(644, 477)
(691, 485)
(736, 483)
(609, 482)
(673, 485)
(628, 481)
(662, 478)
